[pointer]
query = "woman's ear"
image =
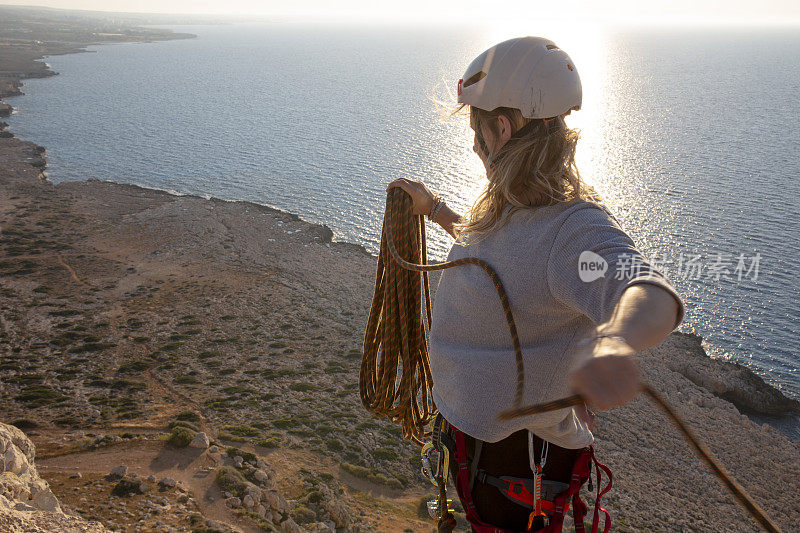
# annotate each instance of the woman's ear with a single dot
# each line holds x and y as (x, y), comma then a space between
(504, 130)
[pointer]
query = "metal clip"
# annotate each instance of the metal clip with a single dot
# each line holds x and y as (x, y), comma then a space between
(426, 469)
(442, 463)
(433, 508)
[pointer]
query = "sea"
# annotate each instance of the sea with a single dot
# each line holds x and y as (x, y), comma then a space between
(690, 134)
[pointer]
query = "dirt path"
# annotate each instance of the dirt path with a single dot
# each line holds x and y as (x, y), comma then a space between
(193, 468)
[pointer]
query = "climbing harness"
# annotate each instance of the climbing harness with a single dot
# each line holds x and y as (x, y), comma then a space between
(553, 503)
(396, 329)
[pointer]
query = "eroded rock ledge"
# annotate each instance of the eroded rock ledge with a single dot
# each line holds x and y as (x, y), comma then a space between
(730, 381)
(26, 501)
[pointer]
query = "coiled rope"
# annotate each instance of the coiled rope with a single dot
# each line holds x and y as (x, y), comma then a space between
(396, 329)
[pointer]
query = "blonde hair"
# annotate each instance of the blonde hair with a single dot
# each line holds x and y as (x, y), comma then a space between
(536, 169)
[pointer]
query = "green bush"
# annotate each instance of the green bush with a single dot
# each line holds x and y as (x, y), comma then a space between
(180, 437)
(188, 416)
(184, 424)
(374, 477)
(229, 479)
(285, 423)
(243, 431)
(247, 456)
(269, 442)
(384, 454)
(303, 515)
(134, 366)
(224, 435)
(40, 395)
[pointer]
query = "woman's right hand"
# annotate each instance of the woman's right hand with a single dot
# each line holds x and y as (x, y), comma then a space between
(421, 197)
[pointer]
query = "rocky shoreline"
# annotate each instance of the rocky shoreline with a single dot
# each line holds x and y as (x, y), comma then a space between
(127, 312)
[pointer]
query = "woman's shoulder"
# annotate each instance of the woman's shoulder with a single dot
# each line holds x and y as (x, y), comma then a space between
(543, 223)
(574, 211)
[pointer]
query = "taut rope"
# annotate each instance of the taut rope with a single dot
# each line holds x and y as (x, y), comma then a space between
(396, 329)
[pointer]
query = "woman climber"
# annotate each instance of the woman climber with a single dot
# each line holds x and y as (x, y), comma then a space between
(584, 298)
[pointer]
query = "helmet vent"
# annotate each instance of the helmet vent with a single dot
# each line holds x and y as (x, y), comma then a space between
(552, 47)
(475, 78)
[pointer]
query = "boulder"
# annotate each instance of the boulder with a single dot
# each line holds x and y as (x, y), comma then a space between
(118, 472)
(276, 501)
(46, 501)
(261, 477)
(233, 502)
(200, 441)
(126, 487)
(339, 514)
(290, 526)
(167, 483)
(248, 502)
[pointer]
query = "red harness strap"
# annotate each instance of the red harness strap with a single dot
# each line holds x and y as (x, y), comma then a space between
(580, 473)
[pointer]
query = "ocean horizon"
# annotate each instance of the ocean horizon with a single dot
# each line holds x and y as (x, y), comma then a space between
(695, 162)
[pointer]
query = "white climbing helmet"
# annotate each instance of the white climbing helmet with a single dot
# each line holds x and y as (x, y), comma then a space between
(531, 74)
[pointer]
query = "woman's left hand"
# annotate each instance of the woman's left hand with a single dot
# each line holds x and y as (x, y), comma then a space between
(610, 377)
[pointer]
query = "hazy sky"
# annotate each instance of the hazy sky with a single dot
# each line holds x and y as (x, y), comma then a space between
(623, 11)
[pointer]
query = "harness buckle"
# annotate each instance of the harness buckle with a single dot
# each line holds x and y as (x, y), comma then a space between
(434, 511)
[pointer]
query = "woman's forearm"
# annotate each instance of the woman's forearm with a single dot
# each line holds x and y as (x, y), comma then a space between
(644, 316)
(447, 218)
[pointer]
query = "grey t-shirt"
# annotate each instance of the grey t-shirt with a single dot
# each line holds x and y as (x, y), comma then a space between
(544, 259)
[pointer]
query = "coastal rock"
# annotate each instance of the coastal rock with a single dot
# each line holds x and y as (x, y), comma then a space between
(233, 502)
(339, 514)
(276, 501)
(731, 381)
(127, 487)
(253, 491)
(200, 441)
(26, 501)
(290, 526)
(167, 483)
(261, 477)
(118, 472)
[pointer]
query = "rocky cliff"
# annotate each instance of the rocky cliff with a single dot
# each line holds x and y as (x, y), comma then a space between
(26, 501)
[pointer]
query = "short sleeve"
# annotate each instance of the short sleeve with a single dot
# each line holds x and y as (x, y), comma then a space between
(592, 261)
